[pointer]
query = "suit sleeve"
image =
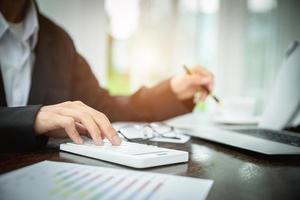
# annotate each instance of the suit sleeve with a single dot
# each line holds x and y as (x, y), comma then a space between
(147, 104)
(17, 128)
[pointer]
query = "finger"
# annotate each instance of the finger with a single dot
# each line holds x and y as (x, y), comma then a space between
(106, 128)
(210, 86)
(203, 96)
(202, 83)
(104, 124)
(203, 72)
(196, 83)
(82, 116)
(68, 124)
(91, 126)
(86, 134)
(198, 79)
(81, 129)
(196, 98)
(194, 79)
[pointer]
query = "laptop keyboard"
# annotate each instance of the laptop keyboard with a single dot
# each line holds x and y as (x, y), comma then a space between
(276, 136)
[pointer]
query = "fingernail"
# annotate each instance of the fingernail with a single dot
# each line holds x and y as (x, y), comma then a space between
(99, 141)
(116, 140)
(79, 141)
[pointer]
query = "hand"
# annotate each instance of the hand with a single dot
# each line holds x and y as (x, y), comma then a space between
(185, 86)
(74, 119)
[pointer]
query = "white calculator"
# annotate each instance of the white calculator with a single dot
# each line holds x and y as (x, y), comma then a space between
(128, 153)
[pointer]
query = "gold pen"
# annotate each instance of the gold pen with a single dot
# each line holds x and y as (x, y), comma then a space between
(188, 71)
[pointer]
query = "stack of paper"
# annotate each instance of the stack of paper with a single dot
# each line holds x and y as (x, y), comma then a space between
(57, 180)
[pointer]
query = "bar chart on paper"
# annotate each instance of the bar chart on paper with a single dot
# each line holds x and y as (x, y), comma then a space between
(57, 180)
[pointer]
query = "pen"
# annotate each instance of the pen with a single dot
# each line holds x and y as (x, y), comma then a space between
(188, 71)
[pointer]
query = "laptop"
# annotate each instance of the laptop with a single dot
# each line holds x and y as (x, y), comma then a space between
(282, 111)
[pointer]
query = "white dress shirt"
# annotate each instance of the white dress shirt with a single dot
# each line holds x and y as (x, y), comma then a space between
(17, 42)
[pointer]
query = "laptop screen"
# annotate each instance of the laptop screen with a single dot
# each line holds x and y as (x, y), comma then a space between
(283, 104)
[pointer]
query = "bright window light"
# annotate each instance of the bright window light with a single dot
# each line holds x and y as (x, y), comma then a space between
(203, 6)
(123, 16)
(260, 6)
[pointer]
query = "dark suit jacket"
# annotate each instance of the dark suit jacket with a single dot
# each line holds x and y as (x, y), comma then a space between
(61, 74)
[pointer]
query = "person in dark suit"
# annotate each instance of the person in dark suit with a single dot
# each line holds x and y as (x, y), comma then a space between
(47, 88)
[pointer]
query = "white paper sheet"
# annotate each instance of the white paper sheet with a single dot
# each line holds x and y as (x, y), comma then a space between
(58, 180)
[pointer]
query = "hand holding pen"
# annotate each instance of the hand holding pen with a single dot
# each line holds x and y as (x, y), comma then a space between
(196, 80)
(206, 89)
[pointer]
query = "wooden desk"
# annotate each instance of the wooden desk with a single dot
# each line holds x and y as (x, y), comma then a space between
(237, 174)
